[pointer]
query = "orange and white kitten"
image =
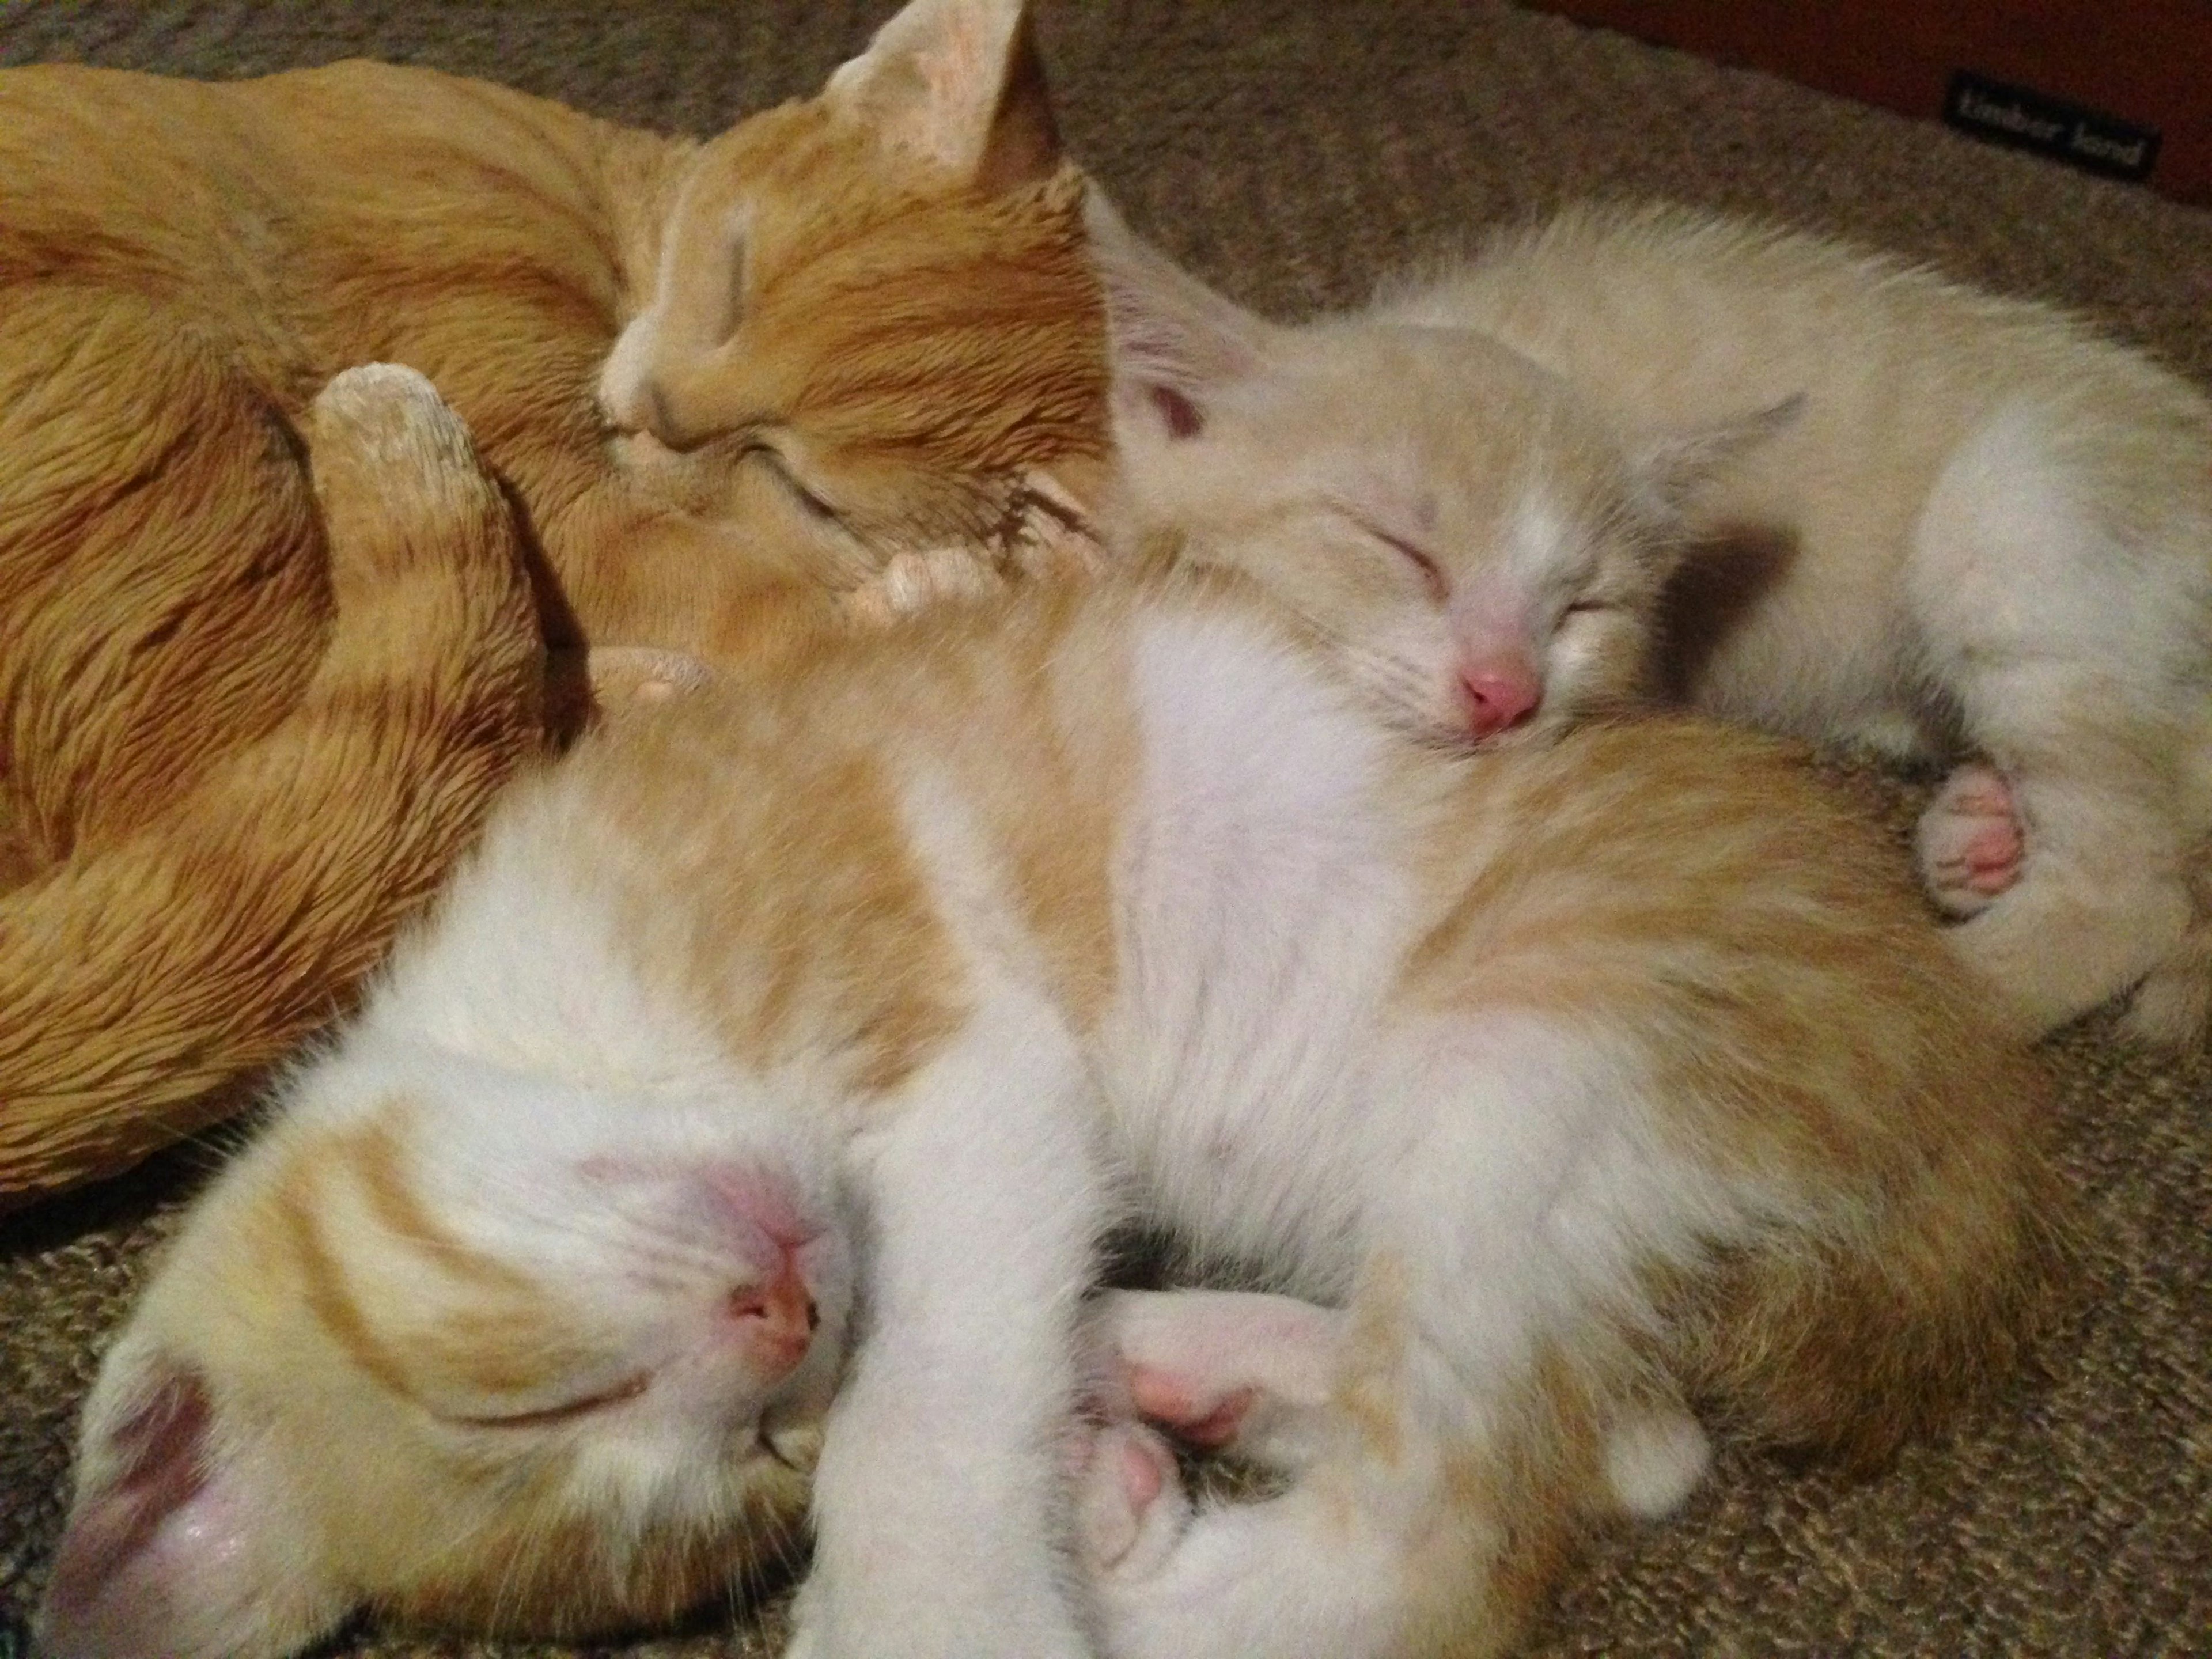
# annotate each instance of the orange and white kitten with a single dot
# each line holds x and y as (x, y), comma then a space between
(820, 1028)
(1971, 530)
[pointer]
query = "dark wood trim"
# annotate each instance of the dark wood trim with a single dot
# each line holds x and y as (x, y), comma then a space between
(2148, 62)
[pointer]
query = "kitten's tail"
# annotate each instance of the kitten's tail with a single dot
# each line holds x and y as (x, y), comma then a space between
(1946, 1266)
(140, 977)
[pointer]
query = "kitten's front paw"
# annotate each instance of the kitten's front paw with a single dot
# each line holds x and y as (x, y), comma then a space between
(1970, 842)
(1130, 1506)
(914, 581)
(586, 686)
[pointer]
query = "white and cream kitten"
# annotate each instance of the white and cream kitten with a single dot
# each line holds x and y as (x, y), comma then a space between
(1482, 546)
(1971, 529)
(823, 1023)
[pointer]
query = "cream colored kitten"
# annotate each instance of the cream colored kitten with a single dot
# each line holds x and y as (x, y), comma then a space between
(1970, 529)
(821, 1027)
(1483, 547)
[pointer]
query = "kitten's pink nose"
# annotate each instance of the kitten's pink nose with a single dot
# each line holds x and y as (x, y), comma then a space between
(777, 1318)
(1502, 691)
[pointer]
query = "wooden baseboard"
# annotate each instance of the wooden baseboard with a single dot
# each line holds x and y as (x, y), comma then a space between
(2146, 64)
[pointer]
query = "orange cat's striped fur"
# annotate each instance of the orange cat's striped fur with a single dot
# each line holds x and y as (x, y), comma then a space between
(862, 362)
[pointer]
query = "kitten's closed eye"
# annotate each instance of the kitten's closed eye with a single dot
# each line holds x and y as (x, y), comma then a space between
(567, 1412)
(1431, 572)
(1424, 564)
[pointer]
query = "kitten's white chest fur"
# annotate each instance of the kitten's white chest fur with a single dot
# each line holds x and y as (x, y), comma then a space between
(1261, 900)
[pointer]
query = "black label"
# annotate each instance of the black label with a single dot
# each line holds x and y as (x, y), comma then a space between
(2049, 126)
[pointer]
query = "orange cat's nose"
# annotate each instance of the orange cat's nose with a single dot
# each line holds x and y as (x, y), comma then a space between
(1501, 693)
(776, 1319)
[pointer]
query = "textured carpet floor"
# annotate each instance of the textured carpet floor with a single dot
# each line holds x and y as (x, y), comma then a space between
(1293, 149)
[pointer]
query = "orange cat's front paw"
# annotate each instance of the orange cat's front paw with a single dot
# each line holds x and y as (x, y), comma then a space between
(1970, 842)
(426, 565)
(638, 676)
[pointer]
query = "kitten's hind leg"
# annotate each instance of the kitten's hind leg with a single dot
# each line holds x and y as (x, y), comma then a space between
(2062, 630)
(1969, 842)
(1394, 1538)
(1221, 1371)
(2102, 901)
(1224, 1370)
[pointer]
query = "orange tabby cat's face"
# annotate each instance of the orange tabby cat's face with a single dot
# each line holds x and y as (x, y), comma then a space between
(474, 1350)
(874, 329)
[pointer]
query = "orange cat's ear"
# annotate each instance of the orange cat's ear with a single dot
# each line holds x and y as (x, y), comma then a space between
(172, 1547)
(960, 83)
(1173, 342)
(1675, 466)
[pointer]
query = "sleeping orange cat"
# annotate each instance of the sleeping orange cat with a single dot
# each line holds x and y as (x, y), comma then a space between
(841, 357)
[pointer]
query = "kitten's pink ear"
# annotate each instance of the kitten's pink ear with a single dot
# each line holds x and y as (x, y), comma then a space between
(960, 83)
(1676, 465)
(172, 1548)
(1173, 340)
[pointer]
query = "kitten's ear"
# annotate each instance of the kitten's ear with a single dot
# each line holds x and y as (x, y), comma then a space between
(172, 1547)
(1675, 466)
(1173, 340)
(959, 83)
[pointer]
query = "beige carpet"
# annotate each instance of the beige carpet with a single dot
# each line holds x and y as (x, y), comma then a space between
(1293, 149)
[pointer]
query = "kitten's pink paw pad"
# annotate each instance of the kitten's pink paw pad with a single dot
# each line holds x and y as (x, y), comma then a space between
(1205, 1422)
(1144, 1477)
(1970, 840)
(1130, 1506)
